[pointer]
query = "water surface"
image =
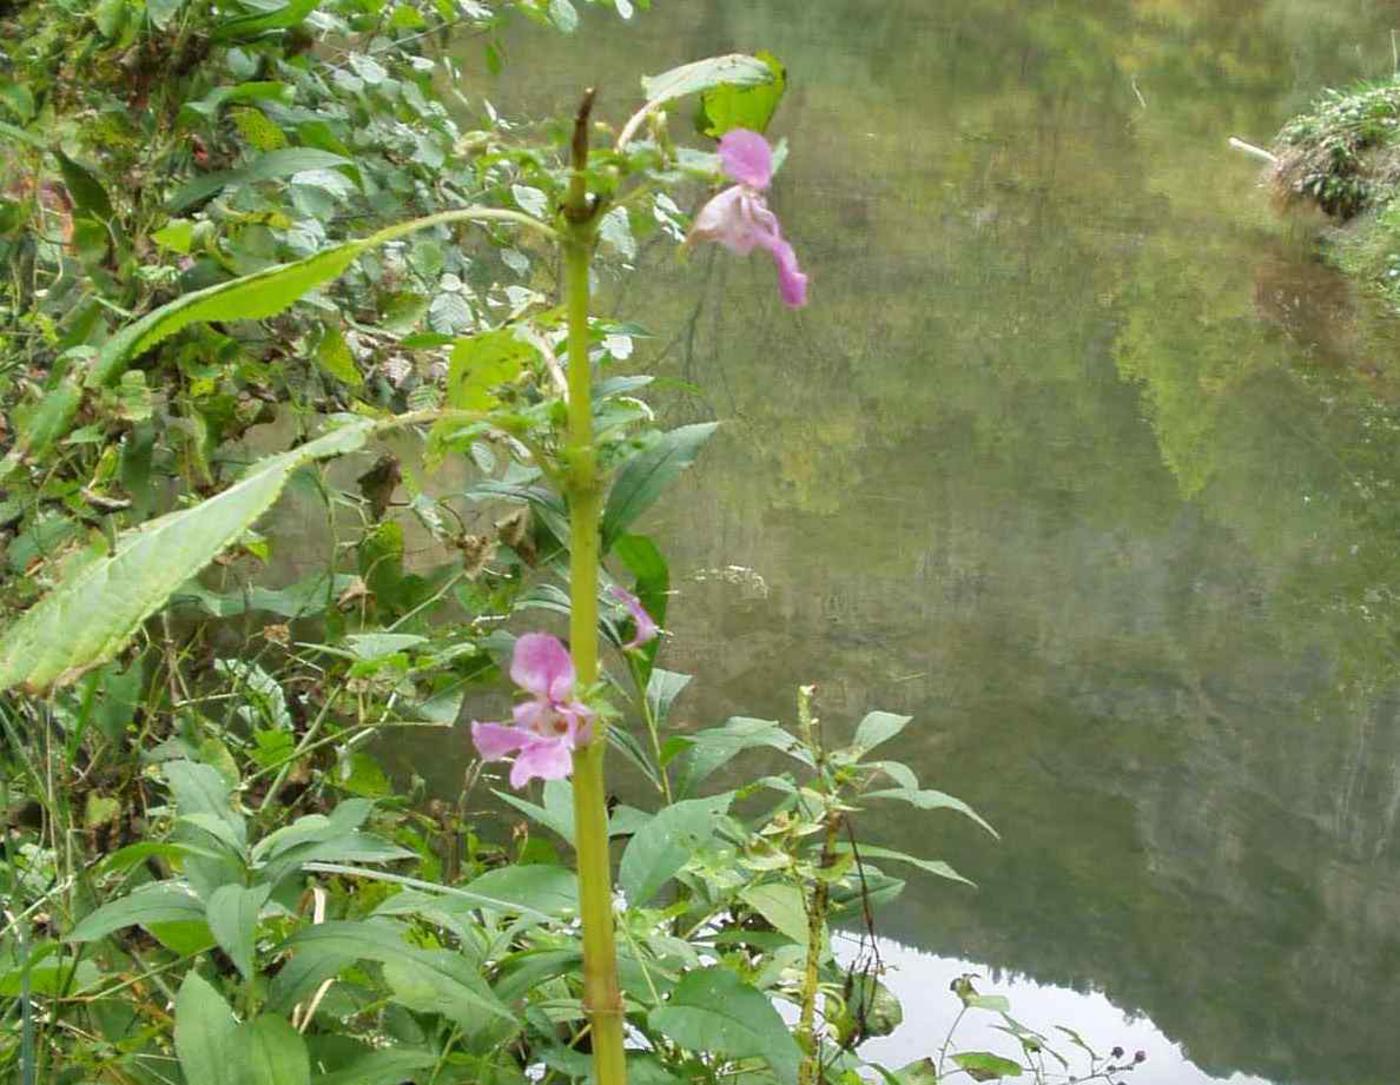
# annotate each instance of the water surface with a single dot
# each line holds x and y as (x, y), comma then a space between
(1082, 459)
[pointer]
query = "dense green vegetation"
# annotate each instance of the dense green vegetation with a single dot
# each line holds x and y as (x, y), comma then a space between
(1343, 157)
(242, 243)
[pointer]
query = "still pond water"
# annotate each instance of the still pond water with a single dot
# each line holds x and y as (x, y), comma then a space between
(1081, 458)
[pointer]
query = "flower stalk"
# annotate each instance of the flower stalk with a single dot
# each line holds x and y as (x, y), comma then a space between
(584, 492)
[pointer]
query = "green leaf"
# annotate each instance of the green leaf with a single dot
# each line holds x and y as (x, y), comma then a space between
(538, 887)
(642, 479)
(922, 1072)
(482, 362)
(728, 106)
(984, 1066)
(662, 690)
(712, 1010)
(561, 822)
(206, 1035)
(92, 614)
(928, 799)
(163, 12)
(421, 975)
(334, 357)
(250, 26)
(233, 917)
(716, 746)
(876, 728)
(782, 905)
(666, 843)
(161, 902)
(83, 185)
(645, 561)
(273, 1052)
(19, 135)
(563, 15)
(933, 866)
(45, 423)
(177, 235)
(268, 166)
(736, 69)
(201, 791)
(388, 1066)
(252, 297)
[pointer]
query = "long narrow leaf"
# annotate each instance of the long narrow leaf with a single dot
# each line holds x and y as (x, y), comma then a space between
(89, 617)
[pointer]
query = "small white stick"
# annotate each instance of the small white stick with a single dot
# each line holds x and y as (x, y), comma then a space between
(1253, 151)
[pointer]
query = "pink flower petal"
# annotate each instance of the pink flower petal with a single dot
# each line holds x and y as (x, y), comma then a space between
(579, 718)
(746, 157)
(792, 283)
(646, 628)
(495, 740)
(543, 759)
(541, 665)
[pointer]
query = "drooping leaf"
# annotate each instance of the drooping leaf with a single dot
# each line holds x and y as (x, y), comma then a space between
(729, 106)
(713, 1010)
(933, 866)
(162, 902)
(233, 917)
(647, 474)
(736, 69)
(928, 799)
(207, 1035)
(666, 843)
(91, 615)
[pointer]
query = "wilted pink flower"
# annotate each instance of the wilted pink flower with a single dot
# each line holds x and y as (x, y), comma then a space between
(549, 726)
(739, 219)
(646, 625)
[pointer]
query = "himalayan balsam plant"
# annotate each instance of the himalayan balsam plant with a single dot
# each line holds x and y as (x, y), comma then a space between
(719, 914)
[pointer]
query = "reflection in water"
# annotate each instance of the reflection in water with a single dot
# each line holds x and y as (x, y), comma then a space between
(1082, 461)
(921, 982)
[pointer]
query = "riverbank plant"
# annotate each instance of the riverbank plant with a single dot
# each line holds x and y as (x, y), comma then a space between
(1343, 157)
(260, 254)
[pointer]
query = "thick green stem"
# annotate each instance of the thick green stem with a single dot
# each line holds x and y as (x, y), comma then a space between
(602, 996)
(818, 901)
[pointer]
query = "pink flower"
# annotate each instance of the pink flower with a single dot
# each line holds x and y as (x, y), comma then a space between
(739, 219)
(549, 726)
(646, 626)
